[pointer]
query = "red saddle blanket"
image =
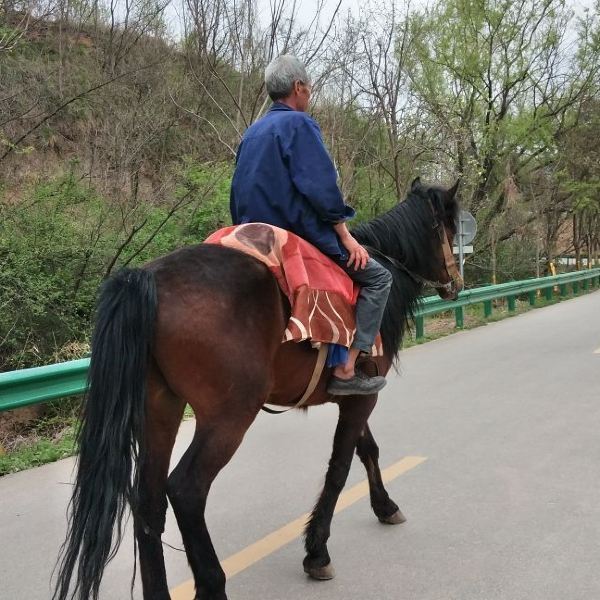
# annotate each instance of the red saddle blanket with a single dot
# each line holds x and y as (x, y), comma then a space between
(321, 295)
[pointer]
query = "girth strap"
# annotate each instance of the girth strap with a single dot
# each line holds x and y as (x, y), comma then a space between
(312, 384)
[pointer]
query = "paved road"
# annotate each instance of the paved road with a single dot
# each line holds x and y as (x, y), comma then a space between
(505, 506)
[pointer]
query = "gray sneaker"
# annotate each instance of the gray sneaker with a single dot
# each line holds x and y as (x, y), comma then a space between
(359, 385)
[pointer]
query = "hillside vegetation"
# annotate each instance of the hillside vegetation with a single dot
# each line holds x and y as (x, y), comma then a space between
(119, 124)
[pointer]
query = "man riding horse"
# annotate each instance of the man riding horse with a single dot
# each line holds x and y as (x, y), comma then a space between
(285, 177)
(164, 338)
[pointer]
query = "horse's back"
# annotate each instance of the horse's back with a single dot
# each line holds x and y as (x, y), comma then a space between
(220, 319)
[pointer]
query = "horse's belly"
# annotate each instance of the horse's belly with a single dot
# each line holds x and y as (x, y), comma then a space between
(293, 368)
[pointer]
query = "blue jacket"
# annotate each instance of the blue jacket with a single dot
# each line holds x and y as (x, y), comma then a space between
(285, 177)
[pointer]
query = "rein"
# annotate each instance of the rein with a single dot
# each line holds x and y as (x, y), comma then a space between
(414, 276)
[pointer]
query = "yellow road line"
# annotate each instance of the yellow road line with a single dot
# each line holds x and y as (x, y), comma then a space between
(286, 534)
(597, 351)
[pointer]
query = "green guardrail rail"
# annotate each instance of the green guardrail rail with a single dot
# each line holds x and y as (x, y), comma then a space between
(589, 278)
(41, 384)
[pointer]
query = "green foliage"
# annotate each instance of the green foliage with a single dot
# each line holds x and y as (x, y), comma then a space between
(586, 195)
(487, 72)
(39, 452)
(56, 245)
(371, 195)
(515, 259)
(44, 248)
(44, 440)
(212, 210)
(490, 89)
(12, 36)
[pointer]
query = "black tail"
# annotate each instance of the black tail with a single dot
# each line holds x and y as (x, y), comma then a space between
(111, 431)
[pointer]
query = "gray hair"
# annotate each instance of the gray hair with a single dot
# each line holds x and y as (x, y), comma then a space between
(281, 73)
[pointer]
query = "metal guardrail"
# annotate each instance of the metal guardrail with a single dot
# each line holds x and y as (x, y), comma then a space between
(510, 291)
(40, 384)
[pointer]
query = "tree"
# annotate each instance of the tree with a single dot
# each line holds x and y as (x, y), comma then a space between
(227, 48)
(503, 81)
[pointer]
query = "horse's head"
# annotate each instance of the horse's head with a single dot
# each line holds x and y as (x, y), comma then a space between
(414, 240)
(416, 237)
(443, 205)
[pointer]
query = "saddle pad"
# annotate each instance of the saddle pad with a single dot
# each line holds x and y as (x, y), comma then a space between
(321, 295)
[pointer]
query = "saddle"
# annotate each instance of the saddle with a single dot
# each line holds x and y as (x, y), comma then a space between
(321, 295)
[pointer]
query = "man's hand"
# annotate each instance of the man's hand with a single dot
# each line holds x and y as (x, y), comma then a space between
(358, 255)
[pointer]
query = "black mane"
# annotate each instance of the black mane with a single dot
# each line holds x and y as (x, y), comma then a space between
(406, 234)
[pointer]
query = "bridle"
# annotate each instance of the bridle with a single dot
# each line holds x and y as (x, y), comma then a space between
(449, 262)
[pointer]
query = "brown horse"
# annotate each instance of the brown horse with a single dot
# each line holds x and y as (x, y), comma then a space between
(164, 338)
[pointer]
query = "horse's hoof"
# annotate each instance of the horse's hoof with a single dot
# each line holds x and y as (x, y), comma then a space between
(394, 519)
(321, 573)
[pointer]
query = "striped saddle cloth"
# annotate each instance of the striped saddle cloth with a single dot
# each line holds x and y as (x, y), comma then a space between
(321, 296)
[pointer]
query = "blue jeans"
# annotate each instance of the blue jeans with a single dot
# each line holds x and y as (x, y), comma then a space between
(375, 282)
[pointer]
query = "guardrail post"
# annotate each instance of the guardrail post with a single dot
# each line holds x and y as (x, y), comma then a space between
(586, 284)
(532, 298)
(419, 327)
(548, 293)
(487, 308)
(575, 288)
(563, 289)
(459, 316)
(512, 303)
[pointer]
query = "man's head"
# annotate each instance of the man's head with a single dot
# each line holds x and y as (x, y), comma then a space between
(287, 81)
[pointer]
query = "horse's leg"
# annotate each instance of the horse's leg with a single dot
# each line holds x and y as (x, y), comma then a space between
(385, 509)
(213, 445)
(221, 324)
(164, 411)
(354, 412)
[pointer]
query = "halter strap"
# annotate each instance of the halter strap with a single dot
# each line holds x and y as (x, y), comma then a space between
(449, 260)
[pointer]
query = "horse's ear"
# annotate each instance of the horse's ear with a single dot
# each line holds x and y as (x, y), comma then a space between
(452, 191)
(415, 184)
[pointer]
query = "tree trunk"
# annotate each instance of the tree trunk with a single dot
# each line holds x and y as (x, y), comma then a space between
(576, 243)
(588, 245)
(493, 258)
